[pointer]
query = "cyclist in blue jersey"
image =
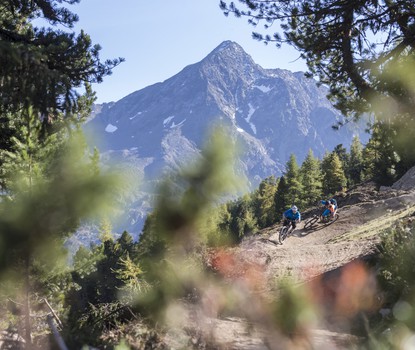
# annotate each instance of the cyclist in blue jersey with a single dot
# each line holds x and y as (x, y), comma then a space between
(293, 215)
(334, 202)
(331, 208)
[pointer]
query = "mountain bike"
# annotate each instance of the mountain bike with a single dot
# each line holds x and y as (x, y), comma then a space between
(309, 223)
(286, 231)
(318, 218)
(328, 220)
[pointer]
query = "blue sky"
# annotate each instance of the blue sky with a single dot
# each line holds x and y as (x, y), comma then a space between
(158, 38)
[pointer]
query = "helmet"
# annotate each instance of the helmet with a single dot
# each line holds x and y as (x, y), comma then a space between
(294, 208)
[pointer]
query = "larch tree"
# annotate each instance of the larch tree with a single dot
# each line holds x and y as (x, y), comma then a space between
(105, 230)
(265, 204)
(50, 189)
(343, 155)
(293, 181)
(380, 158)
(354, 172)
(281, 200)
(243, 215)
(334, 179)
(311, 179)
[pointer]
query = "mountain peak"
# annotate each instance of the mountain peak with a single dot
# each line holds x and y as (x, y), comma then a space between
(228, 45)
(268, 113)
(229, 50)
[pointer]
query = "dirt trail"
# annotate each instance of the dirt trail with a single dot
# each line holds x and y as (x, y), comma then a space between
(311, 253)
(308, 253)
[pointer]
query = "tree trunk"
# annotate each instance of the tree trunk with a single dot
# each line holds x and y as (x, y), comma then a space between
(28, 332)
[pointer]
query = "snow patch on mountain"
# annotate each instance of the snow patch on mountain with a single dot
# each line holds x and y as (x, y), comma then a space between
(248, 118)
(263, 88)
(170, 121)
(110, 128)
(174, 125)
(167, 120)
(135, 115)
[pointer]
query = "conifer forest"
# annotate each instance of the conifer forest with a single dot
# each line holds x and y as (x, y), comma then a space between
(163, 290)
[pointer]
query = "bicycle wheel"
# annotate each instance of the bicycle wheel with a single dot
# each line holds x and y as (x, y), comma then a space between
(330, 221)
(310, 222)
(283, 234)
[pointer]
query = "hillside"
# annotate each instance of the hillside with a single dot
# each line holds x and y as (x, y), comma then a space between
(363, 213)
(316, 260)
(268, 113)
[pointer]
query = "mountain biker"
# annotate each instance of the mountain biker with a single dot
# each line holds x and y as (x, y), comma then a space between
(293, 215)
(330, 208)
(334, 202)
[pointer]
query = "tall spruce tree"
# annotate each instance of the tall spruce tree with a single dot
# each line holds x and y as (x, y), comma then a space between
(243, 216)
(293, 182)
(334, 179)
(343, 155)
(354, 171)
(380, 158)
(264, 201)
(311, 179)
(281, 201)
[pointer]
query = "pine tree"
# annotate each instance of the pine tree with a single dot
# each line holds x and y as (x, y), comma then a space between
(343, 155)
(334, 179)
(247, 222)
(112, 268)
(84, 262)
(45, 195)
(380, 158)
(105, 230)
(293, 182)
(265, 203)
(281, 201)
(225, 218)
(355, 168)
(243, 217)
(311, 179)
(44, 68)
(314, 27)
(151, 243)
(48, 188)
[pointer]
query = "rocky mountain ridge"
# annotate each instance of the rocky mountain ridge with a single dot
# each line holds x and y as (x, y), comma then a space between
(269, 113)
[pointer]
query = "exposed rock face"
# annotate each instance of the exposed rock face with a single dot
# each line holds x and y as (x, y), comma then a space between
(270, 113)
(406, 182)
